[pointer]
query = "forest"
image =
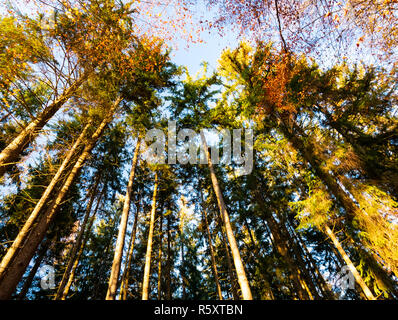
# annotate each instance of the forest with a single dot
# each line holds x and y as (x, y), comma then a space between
(273, 176)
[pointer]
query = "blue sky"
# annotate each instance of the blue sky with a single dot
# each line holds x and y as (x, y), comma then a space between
(208, 51)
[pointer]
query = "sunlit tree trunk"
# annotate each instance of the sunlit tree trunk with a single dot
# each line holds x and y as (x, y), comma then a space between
(240, 270)
(12, 152)
(24, 232)
(117, 260)
(350, 265)
(78, 242)
(147, 270)
(17, 268)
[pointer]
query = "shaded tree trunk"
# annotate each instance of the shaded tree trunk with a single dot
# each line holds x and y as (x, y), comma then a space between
(147, 270)
(126, 273)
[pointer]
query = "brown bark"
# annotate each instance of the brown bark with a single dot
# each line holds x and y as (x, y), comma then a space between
(147, 270)
(240, 270)
(17, 268)
(12, 152)
(117, 260)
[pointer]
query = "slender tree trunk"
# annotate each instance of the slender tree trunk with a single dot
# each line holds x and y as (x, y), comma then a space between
(12, 152)
(147, 270)
(168, 266)
(32, 273)
(19, 265)
(350, 265)
(256, 253)
(316, 274)
(117, 260)
(24, 232)
(78, 242)
(212, 255)
(82, 246)
(231, 274)
(240, 270)
(126, 273)
(160, 257)
(182, 271)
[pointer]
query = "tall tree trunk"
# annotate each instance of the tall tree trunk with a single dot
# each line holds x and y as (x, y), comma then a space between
(78, 242)
(32, 273)
(126, 273)
(147, 270)
(12, 152)
(14, 273)
(117, 259)
(24, 232)
(350, 265)
(168, 265)
(182, 269)
(240, 270)
(212, 256)
(160, 257)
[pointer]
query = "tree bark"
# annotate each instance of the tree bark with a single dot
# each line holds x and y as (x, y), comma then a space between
(240, 270)
(11, 153)
(117, 260)
(147, 270)
(19, 265)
